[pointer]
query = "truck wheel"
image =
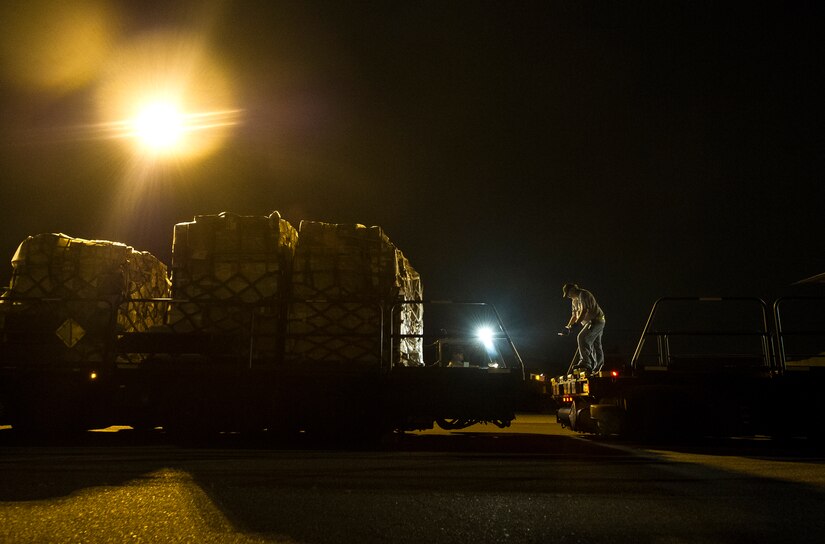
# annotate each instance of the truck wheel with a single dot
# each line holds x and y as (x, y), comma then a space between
(580, 416)
(449, 424)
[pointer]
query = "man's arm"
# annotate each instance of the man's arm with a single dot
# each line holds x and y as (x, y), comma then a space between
(574, 318)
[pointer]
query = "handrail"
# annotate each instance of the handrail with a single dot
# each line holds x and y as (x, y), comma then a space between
(662, 336)
(501, 333)
(780, 331)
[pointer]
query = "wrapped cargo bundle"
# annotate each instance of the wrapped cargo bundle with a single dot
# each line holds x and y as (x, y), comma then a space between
(227, 268)
(411, 316)
(147, 278)
(346, 280)
(76, 287)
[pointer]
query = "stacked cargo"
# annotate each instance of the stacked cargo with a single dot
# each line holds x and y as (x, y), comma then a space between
(230, 273)
(147, 278)
(331, 293)
(410, 320)
(346, 282)
(91, 284)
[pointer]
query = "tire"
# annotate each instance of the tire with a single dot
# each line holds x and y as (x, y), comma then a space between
(580, 416)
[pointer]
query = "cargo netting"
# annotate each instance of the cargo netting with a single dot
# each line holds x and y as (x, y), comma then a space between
(346, 279)
(80, 291)
(329, 293)
(230, 274)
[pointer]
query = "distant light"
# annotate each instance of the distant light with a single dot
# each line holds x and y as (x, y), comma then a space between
(93, 375)
(614, 373)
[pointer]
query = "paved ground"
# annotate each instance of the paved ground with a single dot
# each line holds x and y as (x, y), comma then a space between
(533, 482)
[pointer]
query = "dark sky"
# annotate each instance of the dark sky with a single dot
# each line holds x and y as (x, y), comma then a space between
(637, 149)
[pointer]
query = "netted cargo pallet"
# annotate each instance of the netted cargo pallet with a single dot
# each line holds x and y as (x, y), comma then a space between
(335, 331)
(346, 279)
(76, 294)
(410, 317)
(147, 279)
(230, 274)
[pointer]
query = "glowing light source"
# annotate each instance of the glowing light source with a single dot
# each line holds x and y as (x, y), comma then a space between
(159, 126)
(166, 93)
(485, 334)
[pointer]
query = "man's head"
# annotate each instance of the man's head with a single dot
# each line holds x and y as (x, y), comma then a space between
(569, 290)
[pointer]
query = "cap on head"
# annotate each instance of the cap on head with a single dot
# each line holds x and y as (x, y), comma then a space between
(567, 288)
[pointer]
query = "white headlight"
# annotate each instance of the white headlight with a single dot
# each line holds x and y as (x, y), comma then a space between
(485, 334)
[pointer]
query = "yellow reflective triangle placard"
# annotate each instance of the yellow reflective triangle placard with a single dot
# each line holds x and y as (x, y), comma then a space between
(70, 332)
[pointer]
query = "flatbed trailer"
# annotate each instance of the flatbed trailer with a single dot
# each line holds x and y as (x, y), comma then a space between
(59, 373)
(706, 366)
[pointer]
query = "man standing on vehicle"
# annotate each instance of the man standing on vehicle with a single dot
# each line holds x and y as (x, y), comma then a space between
(587, 312)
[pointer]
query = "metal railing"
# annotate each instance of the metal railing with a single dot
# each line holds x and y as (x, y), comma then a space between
(665, 356)
(456, 323)
(800, 331)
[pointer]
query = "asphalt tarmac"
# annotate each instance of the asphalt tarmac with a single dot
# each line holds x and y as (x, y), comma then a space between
(531, 483)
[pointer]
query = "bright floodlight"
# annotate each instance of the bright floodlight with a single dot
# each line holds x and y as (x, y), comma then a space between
(164, 93)
(159, 126)
(485, 334)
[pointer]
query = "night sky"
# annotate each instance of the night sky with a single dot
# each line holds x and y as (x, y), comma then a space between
(638, 149)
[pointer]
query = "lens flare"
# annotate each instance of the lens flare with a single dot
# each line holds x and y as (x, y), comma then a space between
(485, 334)
(158, 126)
(165, 96)
(56, 46)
